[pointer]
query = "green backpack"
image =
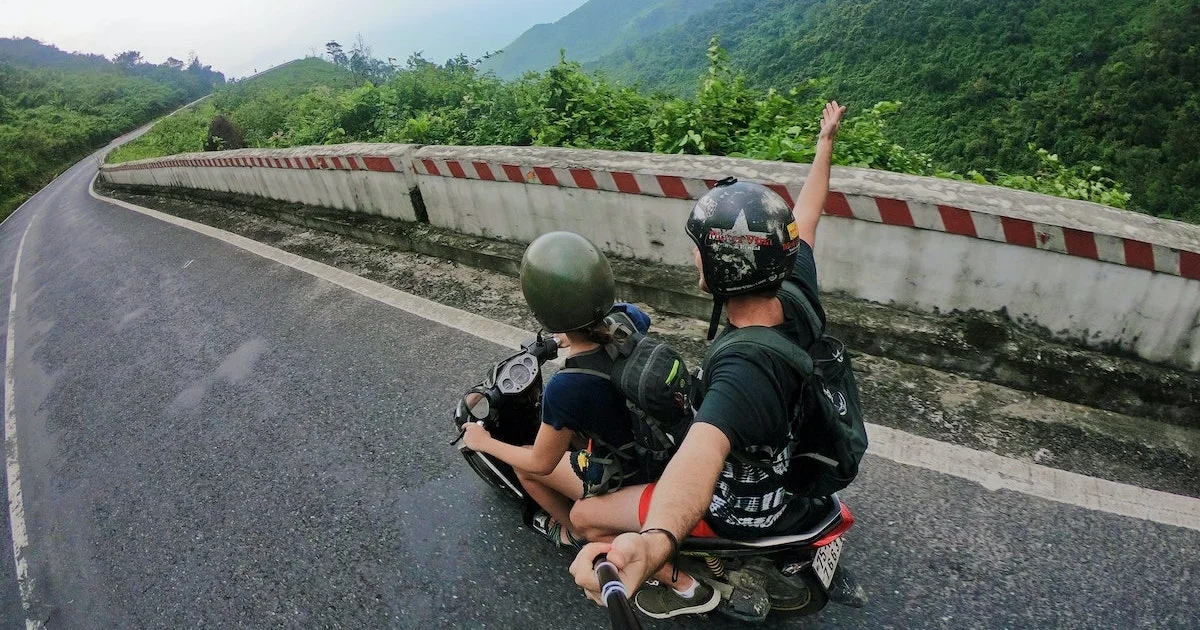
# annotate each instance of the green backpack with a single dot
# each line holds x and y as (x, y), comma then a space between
(827, 436)
(655, 383)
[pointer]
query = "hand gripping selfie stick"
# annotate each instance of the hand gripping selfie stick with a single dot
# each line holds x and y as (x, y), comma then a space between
(614, 595)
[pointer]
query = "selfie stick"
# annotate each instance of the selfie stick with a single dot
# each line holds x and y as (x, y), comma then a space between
(615, 596)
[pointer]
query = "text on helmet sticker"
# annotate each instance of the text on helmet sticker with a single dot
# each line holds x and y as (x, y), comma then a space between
(740, 234)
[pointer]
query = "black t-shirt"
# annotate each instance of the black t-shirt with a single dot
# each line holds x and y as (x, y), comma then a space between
(587, 404)
(593, 406)
(751, 398)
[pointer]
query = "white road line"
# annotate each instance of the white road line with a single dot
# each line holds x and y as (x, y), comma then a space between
(482, 327)
(994, 472)
(16, 503)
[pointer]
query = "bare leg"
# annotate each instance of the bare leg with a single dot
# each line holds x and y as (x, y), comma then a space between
(555, 492)
(603, 518)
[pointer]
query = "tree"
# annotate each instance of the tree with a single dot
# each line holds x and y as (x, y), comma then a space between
(360, 59)
(336, 54)
(417, 61)
(128, 59)
(173, 63)
(224, 135)
(57, 107)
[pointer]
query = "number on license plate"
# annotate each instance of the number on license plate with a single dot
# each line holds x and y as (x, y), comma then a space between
(826, 561)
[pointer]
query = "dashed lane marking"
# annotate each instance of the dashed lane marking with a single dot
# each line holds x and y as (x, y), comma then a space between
(994, 472)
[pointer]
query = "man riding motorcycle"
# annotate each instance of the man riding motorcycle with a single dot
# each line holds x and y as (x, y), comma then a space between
(748, 243)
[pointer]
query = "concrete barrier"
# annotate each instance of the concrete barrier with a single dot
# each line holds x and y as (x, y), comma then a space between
(1084, 273)
(368, 178)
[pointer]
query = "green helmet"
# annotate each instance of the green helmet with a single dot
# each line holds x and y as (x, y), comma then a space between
(566, 281)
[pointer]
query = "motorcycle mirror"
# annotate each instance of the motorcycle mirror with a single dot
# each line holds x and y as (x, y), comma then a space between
(478, 405)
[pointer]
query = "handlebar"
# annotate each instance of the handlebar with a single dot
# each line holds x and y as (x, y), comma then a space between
(615, 596)
(543, 348)
(480, 403)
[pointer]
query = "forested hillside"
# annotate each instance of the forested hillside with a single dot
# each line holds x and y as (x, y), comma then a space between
(316, 102)
(595, 29)
(259, 109)
(1113, 83)
(55, 107)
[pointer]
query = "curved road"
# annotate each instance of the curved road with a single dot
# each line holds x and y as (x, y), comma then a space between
(209, 438)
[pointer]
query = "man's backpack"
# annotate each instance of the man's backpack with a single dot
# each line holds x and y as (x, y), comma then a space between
(827, 435)
(655, 383)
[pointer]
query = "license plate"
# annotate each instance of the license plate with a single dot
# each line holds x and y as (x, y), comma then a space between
(826, 561)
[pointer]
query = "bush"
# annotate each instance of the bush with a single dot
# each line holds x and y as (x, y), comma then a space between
(428, 103)
(223, 135)
(1055, 178)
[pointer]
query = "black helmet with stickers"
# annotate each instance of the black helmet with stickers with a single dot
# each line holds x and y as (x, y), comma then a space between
(747, 239)
(567, 282)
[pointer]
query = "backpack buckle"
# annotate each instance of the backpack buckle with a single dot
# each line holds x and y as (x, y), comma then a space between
(623, 335)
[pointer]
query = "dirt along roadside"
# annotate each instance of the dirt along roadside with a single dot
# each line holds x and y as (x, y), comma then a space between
(912, 398)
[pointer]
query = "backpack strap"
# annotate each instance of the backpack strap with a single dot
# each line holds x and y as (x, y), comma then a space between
(624, 333)
(814, 321)
(596, 363)
(767, 340)
(593, 363)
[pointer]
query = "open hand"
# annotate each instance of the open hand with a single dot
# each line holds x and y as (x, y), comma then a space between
(476, 437)
(629, 553)
(831, 118)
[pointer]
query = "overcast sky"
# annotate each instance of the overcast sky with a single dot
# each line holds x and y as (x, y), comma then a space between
(239, 36)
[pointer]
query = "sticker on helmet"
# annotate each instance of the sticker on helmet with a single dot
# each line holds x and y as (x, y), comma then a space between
(793, 231)
(740, 234)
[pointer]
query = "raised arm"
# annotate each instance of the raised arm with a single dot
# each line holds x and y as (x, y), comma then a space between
(812, 196)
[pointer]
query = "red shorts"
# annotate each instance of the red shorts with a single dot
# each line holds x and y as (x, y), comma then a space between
(702, 530)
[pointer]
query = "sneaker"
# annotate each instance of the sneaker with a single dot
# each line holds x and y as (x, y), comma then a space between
(660, 601)
(542, 523)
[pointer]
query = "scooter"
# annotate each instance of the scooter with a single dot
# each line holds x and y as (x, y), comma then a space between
(791, 575)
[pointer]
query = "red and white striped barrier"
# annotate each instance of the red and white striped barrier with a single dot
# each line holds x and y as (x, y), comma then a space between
(632, 205)
(367, 178)
(889, 211)
(377, 163)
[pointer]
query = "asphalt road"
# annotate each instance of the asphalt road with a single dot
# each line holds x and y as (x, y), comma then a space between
(211, 439)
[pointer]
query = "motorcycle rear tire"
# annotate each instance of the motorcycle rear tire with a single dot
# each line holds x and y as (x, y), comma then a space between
(818, 598)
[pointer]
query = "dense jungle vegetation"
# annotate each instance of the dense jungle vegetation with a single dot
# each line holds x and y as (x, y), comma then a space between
(1116, 83)
(455, 103)
(56, 107)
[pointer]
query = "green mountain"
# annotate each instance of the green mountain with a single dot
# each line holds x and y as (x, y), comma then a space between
(1115, 83)
(56, 107)
(595, 29)
(296, 77)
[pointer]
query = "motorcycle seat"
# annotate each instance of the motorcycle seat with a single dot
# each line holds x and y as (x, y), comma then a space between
(831, 519)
